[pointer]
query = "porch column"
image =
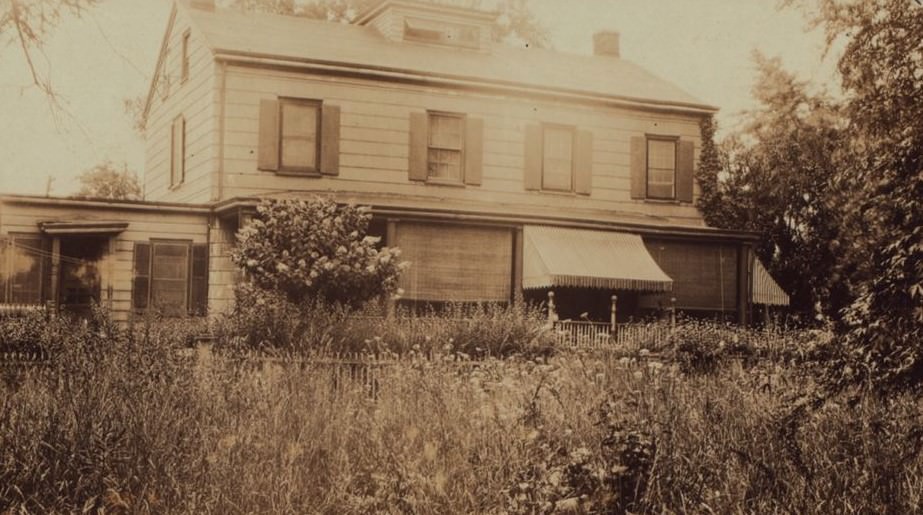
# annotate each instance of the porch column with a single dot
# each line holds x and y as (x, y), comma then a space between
(517, 266)
(55, 271)
(743, 283)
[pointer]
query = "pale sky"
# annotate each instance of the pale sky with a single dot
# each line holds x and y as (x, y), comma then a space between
(704, 46)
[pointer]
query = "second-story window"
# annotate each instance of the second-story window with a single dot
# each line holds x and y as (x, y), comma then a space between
(661, 169)
(558, 158)
(178, 152)
(445, 146)
(184, 62)
(300, 124)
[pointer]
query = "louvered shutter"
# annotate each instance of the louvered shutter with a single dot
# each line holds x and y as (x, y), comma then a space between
(474, 151)
(583, 163)
(141, 278)
(533, 157)
(638, 167)
(268, 158)
(198, 280)
(418, 146)
(330, 140)
(685, 166)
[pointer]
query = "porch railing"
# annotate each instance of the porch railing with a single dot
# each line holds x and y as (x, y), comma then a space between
(585, 334)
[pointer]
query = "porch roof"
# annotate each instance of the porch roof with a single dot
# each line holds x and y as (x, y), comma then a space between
(555, 256)
(765, 289)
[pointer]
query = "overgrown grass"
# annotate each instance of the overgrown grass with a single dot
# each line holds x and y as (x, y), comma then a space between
(134, 422)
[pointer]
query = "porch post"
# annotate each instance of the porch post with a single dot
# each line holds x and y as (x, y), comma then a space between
(55, 271)
(390, 241)
(672, 313)
(552, 316)
(612, 316)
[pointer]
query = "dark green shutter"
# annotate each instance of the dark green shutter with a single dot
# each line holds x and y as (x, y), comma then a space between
(474, 151)
(583, 165)
(685, 165)
(418, 146)
(198, 280)
(268, 158)
(533, 157)
(141, 278)
(330, 140)
(638, 167)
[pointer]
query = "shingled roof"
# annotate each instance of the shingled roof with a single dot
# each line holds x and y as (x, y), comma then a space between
(234, 34)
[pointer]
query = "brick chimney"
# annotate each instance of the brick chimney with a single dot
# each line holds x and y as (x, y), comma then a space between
(606, 43)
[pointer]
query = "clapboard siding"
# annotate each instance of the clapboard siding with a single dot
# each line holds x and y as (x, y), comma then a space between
(374, 142)
(194, 99)
(116, 268)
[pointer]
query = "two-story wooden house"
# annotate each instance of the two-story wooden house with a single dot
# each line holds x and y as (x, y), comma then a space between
(500, 172)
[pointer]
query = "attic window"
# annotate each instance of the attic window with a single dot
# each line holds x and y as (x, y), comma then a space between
(443, 33)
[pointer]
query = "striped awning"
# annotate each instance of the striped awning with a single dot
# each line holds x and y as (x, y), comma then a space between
(765, 289)
(554, 256)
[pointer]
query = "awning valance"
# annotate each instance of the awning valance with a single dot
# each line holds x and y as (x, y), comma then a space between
(554, 256)
(764, 289)
(82, 227)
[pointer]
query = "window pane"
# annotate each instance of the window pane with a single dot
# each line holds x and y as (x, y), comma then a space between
(445, 131)
(299, 136)
(661, 168)
(558, 159)
(445, 164)
(169, 277)
(26, 273)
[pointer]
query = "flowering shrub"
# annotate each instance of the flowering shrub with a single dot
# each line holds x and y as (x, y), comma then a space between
(316, 249)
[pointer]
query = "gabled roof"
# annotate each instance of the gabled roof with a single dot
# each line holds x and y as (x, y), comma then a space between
(287, 39)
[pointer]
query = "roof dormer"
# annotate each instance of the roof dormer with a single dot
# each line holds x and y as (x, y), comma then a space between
(452, 23)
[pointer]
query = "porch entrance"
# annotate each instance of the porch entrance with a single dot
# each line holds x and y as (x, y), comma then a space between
(80, 280)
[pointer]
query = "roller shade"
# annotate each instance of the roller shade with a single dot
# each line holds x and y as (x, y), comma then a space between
(455, 263)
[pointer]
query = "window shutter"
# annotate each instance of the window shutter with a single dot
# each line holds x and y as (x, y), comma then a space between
(685, 165)
(583, 163)
(198, 280)
(533, 157)
(269, 135)
(330, 140)
(178, 152)
(638, 166)
(418, 146)
(141, 280)
(474, 151)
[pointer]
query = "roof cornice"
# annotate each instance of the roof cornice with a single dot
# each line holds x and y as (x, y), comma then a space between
(454, 81)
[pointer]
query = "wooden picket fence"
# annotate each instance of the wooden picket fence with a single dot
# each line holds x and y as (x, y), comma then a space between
(599, 335)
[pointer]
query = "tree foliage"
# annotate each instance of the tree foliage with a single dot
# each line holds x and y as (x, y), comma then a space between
(775, 180)
(316, 250)
(514, 19)
(106, 181)
(881, 185)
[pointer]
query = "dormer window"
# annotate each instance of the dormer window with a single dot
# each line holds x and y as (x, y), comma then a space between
(442, 33)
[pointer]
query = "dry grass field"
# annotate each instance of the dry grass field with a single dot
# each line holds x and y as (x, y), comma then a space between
(120, 421)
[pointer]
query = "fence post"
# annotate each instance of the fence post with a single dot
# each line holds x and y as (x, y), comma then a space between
(672, 313)
(552, 316)
(612, 316)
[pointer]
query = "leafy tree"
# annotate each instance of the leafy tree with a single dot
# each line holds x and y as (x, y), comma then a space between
(316, 249)
(773, 177)
(514, 20)
(105, 181)
(880, 332)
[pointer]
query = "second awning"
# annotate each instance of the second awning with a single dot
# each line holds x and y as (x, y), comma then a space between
(554, 257)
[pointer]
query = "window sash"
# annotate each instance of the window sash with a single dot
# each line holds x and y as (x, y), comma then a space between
(558, 159)
(169, 276)
(25, 272)
(299, 127)
(446, 142)
(661, 169)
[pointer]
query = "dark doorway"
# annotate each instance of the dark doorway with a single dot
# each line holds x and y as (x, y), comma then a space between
(80, 283)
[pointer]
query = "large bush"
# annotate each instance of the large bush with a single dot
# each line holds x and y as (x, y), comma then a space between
(316, 249)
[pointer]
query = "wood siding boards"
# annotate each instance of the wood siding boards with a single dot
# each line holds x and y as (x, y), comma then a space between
(194, 100)
(376, 147)
(117, 267)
